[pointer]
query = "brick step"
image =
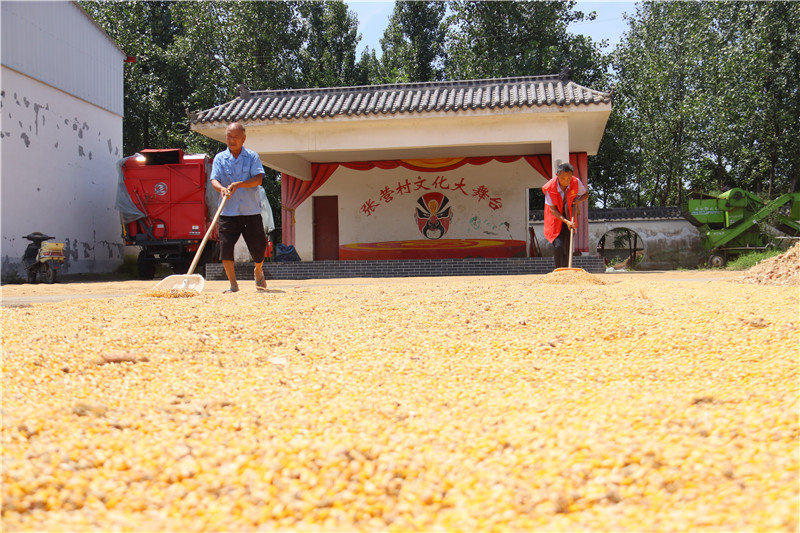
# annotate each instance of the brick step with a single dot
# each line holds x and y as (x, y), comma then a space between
(405, 268)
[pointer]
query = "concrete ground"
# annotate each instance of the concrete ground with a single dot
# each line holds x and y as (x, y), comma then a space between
(110, 286)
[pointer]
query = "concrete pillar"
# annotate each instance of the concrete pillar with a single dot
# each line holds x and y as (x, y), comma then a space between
(559, 147)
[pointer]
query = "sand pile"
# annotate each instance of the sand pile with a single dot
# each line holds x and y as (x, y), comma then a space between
(782, 269)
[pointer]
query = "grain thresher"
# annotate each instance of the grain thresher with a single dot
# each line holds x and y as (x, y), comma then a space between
(166, 205)
(737, 221)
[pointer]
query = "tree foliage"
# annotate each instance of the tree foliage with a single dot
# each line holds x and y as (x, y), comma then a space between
(413, 43)
(328, 53)
(705, 93)
(706, 99)
(517, 38)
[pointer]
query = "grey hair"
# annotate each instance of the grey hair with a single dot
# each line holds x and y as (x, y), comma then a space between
(564, 167)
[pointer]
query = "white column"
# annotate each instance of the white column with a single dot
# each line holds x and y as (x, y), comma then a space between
(559, 146)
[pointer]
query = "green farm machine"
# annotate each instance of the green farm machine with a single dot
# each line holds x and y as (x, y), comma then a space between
(737, 222)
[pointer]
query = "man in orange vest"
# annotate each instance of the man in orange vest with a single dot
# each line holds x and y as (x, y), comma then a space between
(560, 195)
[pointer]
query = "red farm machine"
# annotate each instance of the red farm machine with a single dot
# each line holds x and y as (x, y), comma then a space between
(166, 205)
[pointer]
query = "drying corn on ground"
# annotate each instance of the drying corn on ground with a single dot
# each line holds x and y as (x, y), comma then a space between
(506, 404)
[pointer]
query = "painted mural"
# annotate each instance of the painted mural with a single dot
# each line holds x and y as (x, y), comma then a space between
(388, 194)
(380, 216)
(433, 215)
(453, 208)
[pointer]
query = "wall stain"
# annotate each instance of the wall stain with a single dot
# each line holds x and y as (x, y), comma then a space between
(36, 108)
(68, 249)
(93, 253)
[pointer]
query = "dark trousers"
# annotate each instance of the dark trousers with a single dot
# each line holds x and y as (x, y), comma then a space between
(251, 227)
(561, 246)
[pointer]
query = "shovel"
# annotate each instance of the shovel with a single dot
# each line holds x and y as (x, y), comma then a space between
(571, 247)
(192, 282)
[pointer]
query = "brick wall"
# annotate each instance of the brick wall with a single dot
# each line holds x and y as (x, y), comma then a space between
(407, 268)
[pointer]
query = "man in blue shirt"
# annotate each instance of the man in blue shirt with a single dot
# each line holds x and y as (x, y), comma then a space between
(237, 172)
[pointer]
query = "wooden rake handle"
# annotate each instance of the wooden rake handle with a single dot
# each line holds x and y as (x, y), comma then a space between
(207, 235)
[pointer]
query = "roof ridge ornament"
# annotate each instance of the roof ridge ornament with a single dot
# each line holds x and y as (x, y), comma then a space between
(244, 91)
(565, 75)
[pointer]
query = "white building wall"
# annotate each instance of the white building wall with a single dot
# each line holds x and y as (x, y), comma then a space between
(667, 243)
(393, 220)
(58, 44)
(59, 138)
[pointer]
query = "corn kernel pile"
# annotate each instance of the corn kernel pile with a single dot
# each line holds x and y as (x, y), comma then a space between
(783, 269)
(562, 277)
(492, 404)
(171, 293)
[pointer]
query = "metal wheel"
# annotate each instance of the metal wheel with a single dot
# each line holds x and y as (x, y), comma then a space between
(49, 274)
(716, 261)
(181, 266)
(146, 267)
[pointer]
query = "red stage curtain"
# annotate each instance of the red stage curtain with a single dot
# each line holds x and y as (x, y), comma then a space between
(579, 162)
(543, 164)
(428, 165)
(294, 192)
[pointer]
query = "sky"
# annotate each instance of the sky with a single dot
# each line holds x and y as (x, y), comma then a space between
(373, 17)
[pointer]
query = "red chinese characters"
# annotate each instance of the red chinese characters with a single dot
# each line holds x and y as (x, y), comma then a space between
(388, 194)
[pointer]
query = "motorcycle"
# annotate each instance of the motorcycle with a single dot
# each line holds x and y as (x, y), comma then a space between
(43, 259)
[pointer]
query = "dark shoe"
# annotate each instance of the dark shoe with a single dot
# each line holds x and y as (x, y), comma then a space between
(230, 291)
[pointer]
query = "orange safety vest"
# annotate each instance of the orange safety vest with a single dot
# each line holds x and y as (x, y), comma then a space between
(552, 225)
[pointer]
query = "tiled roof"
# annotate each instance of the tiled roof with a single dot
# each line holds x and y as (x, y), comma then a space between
(398, 99)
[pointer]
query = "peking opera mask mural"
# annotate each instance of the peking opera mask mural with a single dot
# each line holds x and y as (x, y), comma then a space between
(433, 214)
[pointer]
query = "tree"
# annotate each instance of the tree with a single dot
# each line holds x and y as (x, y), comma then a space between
(221, 46)
(707, 94)
(328, 55)
(613, 178)
(153, 89)
(770, 38)
(498, 39)
(657, 69)
(413, 43)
